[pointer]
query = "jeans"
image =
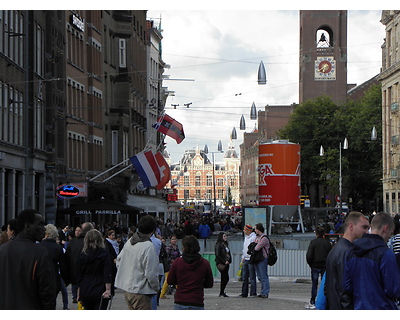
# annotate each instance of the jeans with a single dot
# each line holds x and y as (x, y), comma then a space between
(182, 307)
(248, 271)
(262, 274)
(314, 279)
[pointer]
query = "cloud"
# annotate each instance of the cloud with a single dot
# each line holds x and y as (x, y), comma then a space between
(221, 51)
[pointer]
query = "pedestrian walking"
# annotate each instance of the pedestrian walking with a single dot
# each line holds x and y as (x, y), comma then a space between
(223, 259)
(191, 273)
(317, 253)
(137, 266)
(94, 273)
(72, 253)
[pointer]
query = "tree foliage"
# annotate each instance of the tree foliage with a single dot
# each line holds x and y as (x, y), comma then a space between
(321, 122)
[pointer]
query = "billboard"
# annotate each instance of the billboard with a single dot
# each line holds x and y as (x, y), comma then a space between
(279, 173)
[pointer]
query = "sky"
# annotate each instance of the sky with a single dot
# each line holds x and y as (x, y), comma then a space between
(214, 57)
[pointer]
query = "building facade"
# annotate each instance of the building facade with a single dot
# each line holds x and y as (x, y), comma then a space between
(196, 177)
(74, 104)
(389, 78)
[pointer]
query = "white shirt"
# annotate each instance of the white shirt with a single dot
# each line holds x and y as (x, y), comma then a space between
(247, 240)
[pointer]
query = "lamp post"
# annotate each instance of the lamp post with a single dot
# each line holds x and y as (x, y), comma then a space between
(213, 172)
(345, 147)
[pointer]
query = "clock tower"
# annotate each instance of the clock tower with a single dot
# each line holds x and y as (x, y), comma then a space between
(323, 54)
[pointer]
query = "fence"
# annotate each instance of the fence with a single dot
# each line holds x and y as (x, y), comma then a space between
(291, 257)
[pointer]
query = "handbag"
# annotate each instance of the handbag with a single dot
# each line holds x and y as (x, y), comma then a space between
(221, 267)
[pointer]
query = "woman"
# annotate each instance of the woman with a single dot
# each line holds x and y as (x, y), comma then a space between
(191, 274)
(112, 246)
(223, 259)
(172, 253)
(94, 273)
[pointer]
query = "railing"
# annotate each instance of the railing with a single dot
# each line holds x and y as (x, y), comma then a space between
(291, 263)
(291, 256)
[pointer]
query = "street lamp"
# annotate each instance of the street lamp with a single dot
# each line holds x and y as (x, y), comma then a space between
(345, 147)
(213, 166)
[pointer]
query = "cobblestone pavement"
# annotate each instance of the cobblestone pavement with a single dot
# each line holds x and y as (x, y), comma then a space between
(285, 294)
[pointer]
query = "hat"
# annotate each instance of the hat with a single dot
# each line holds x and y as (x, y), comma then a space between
(249, 227)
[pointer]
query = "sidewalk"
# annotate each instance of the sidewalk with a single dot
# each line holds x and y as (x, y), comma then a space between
(285, 294)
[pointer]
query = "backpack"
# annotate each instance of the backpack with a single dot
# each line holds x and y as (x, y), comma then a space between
(273, 256)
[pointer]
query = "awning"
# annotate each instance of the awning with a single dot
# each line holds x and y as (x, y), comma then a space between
(102, 206)
(152, 204)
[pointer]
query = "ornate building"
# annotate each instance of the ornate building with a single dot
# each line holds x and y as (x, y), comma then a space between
(389, 78)
(192, 177)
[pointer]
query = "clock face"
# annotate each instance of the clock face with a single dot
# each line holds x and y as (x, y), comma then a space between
(325, 68)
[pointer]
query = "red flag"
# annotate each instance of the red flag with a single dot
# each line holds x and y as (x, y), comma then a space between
(165, 171)
(170, 127)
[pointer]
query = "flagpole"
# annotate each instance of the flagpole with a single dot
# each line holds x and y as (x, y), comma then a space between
(117, 173)
(100, 174)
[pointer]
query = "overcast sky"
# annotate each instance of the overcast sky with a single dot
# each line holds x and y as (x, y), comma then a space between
(218, 53)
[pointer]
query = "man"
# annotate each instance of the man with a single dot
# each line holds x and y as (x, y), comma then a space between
(137, 267)
(316, 258)
(355, 226)
(74, 248)
(248, 268)
(371, 273)
(261, 267)
(27, 278)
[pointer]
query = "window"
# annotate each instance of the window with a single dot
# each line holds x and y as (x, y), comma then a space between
(198, 179)
(114, 147)
(122, 53)
(186, 180)
(209, 180)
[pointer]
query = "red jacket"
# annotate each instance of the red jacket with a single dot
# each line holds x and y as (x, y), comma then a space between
(191, 274)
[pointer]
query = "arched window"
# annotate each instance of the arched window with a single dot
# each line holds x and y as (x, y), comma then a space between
(324, 37)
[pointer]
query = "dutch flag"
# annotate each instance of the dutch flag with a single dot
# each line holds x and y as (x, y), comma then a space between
(147, 168)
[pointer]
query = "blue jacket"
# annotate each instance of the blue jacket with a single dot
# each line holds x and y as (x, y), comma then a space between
(204, 231)
(371, 274)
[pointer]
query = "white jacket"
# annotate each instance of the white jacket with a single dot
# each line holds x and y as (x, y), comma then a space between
(247, 240)
(138, 268)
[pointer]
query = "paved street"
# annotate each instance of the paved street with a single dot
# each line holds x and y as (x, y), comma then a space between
(285, 294)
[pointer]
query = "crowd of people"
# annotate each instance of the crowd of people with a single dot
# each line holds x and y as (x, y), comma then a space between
(94, 263)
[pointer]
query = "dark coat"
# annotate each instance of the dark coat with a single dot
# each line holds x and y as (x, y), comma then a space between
(336, 299)
(371, 274)
(317, 252)
(72, 253)
(93, 273)
(27, 279)
(113, 256)
(57, 255)
(222, 253)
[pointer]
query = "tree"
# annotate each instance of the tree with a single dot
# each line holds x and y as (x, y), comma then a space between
(321, 122)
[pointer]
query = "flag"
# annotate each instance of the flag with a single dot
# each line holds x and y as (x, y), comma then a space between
(153, 170)
(165, 171)
(170, 127)
(147, 168)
